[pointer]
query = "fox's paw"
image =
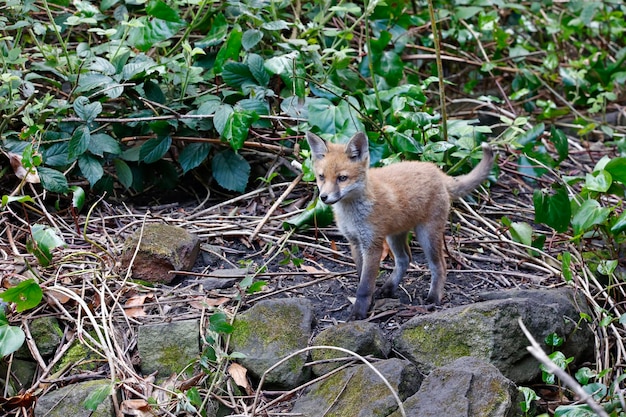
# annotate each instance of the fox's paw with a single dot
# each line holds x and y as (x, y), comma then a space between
(434, 298)
(359, 311)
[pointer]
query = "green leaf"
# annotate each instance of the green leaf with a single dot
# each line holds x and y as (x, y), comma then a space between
(589, 214)
(522, 232)
(619, 225)
(219, 323)
(160, 10)
(584, 375)
(193, 155)
(85, 110)
(256, 287)
(101, 143)
(617, 168)
(235, 74)
(237, 128)
(79, 143)
(97, 396)
(229, 51)
(11, 339)
(153, 92)
(257, 68)
(6, 199)
(607, 267)
(26, 295)
(553, 340)
(566, 266)
(52, 180)
(464, 13)
(598, 181)
(552, 210)
(151, 32)
(558, 138)
(217, 33)
(317, 214)
(251, 38)
(91, 168)
(338, 120)
(78, 197)
(124, 173)
(230, 170)
(222, 115)
(154, 149)
(531, 135)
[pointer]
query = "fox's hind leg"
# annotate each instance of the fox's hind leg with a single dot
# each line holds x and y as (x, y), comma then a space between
(430, 236)
(402, 256)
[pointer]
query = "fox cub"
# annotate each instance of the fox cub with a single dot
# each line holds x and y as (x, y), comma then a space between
(371, 205)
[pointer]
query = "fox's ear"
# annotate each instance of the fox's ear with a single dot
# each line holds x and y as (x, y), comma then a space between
(317, 145)
(358, 148)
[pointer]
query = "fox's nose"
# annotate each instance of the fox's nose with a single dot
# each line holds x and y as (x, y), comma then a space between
(323, 197)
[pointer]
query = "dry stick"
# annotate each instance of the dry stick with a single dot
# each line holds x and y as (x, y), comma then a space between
(275, 206)
(349, 352)
(540, 355)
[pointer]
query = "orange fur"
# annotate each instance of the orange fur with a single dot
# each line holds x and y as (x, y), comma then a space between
(372, 205)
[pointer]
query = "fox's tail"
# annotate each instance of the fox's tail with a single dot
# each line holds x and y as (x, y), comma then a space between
(465, 184)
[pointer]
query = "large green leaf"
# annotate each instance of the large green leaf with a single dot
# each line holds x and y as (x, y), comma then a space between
(599, 181)
(101, 143)
(193, 155)
(152, 31)
(230, 170)
(91, 168)
(98, 396)
(257, 68)
(217, 33)
(85, 110)
(236, 74)
(124, 173)
(237, 128)
(52, 180)
(26, 295)
(251, 38)
(589, 214)
(79, 142)
(11, 339)
(160, 10)
(553, 210)
(317, 214)
(617, 168)
(339, 120)
(558, 138)
(229, 51)
(154, 149)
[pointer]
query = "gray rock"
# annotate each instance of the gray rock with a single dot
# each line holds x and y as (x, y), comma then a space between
(361, 337)
(69, 401)
(359, 392)
(468, 387)
(168, 347)
(47, 335)
(270, 331)
(162, 248)
(490, 330)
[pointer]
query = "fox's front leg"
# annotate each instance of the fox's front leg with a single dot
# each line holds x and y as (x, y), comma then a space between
(370, 263)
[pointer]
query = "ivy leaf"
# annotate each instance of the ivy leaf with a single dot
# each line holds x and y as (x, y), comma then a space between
(97, 396)
(219, 323)
(78, 197)
(11, 339)
(237, 128)
(26, 295)
(589, 214)
(193, 155)
(553, 210)
(231, 170)
(152, 31)
(52, 180)
(617, 168)
(85, 110)
(598, 181)
(154, 149)
(91, 168)
(558, 138)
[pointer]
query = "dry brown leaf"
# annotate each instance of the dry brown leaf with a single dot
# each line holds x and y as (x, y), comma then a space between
(20, 172)
(136, 407)
(238, 373)
(60, 297)
(134, 306)
(311, 269)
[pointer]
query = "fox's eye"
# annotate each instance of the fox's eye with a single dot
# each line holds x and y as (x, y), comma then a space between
(342, 178)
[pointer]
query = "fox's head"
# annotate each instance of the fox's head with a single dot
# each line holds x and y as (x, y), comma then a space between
(340, 170)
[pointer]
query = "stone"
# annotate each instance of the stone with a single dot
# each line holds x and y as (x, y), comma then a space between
(162, 248)
(47, 335)
(270, 331)
(468, 387)
(361, 337)
(167, 348)
(490, 330)
(359, 392)
(69, 401)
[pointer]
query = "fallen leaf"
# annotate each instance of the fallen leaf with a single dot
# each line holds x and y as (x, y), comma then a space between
(21, 172)
(203, 302)
(312, 270)
(60, 297)
(238, 373)
(136, 407)
(134, 305)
